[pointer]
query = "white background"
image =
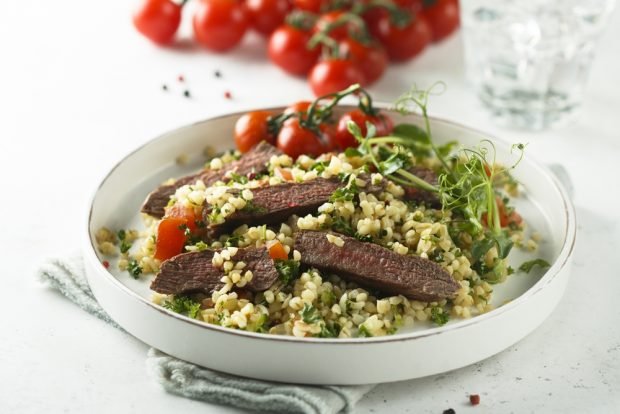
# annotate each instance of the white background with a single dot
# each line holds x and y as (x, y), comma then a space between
(79, 89)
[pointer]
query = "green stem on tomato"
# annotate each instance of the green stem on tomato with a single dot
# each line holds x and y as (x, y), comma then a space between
(325, 110)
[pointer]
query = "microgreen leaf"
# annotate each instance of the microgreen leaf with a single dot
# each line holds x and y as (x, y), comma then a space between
(529, 265)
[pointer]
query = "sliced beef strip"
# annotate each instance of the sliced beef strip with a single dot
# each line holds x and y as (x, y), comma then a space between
(376, 267)
(194, 272)
(254, 161)
(423, 196)
(273, 204)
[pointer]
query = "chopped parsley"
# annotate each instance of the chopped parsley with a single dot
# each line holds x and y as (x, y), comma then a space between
(345, 193)
(121, 234)
(251, 207)
(232, 241)
(529, 265)
(287, 270)
(200, 246)
(328, 331)
(125, 245)
(309, 314)
(328, 297)
(340, 225)
(319, 167)
(183, 305)
(363, 332)
(134, 268)
(439, 316)
(237, 178)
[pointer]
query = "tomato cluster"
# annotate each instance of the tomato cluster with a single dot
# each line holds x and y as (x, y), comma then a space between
(335, 43)
(311, 128)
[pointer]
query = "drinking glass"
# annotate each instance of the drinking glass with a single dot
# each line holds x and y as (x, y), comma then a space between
(529, 60)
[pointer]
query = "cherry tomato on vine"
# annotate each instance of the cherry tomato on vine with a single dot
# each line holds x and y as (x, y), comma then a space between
(288, 49)
(339, 32)
(345, 139)
(371, 59)
(402, 43)
(251, 129)
(333, 75)
(313, 6)
(219, 25)
(298, 107)
(295, 140)
(158, 20)
(443, 17)
(413, 6)
(266, 15)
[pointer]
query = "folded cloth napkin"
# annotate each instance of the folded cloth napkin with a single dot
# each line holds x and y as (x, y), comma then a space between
(182, 378)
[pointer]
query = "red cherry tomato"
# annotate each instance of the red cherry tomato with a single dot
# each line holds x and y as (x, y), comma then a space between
(288, 49)
(371, 59)
(251, 129)
(313, 6)
(295, 140)
(402, 43)
(443, 17)
(219, 25)
(339, 32)
(158, 20)
(413, 6)
(345, 139)
(266, 15)
(333, 75)
(298, 107)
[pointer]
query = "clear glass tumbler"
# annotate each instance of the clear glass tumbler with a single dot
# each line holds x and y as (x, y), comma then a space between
(529, 60)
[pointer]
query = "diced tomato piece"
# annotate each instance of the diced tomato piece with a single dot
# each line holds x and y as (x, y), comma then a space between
(170, 237)
(184, 212)
(277, 252)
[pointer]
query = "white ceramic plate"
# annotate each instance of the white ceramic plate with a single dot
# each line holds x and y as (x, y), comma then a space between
(522, 302)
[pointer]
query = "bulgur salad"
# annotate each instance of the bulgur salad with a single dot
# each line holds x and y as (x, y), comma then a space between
(331, 226)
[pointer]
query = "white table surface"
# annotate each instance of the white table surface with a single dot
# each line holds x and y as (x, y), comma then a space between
(79, 89)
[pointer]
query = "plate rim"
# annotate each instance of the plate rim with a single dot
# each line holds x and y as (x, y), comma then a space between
(558, 265)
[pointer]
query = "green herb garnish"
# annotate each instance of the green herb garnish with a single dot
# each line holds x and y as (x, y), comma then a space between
(134, 268)
(363, 332)
(251, 207)
(529, 265)
(309, 314)
(183, 305)
(439, 316)
(237, 178)
(288, 270)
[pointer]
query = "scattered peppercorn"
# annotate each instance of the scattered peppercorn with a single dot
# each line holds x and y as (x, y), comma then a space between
(164, 87)
(181, 78)
(227, 95)
(218, 74)
(474, 399)
(186, 93)
(105, 264)
(449, 411)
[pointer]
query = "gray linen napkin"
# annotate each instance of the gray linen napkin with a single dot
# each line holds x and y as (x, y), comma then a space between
(66, 275)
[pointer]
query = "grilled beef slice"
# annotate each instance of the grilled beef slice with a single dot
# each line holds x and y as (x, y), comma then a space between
(423, 196)
(377, 267)
(194, 272)
(273, 204)
(254, 161)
